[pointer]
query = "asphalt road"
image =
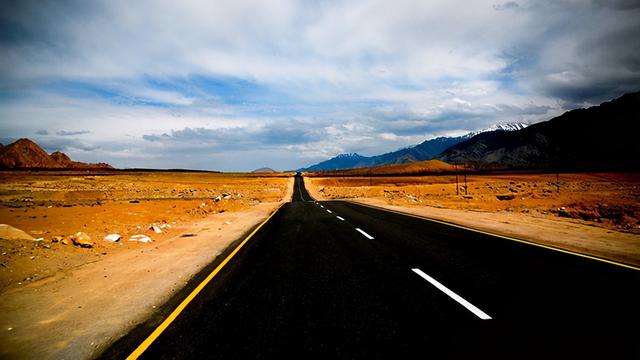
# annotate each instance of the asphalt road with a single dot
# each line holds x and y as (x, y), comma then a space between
(309, 284)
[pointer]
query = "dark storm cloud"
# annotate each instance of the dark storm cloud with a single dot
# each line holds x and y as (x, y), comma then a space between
(619, 4)
(592, 55)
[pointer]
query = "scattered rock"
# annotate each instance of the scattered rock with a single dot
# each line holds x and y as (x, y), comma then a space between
(65, 241)
(226, 196)
(81, 239)
(112, 237)
(505, 197)
(218, 198)
(188, 235)
(163, 226)
(8, 232)
(140, 238)
(134, 201)
(156, 229)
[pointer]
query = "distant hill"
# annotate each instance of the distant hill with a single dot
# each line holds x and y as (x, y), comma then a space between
(25, 154)
(426, 150)
(413, 168)
(342, 161)
(264, 170)
(600, 136)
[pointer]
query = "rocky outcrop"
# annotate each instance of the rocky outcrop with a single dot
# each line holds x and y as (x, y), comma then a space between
(25, 154)
(62, 159)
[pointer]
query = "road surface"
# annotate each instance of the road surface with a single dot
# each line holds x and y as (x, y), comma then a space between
(338, 280)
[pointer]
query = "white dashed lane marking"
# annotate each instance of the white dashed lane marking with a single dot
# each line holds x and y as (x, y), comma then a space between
(479, 313)
(364, 233)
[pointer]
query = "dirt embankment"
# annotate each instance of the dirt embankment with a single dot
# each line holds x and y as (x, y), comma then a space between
(596, 214)
(66, 301)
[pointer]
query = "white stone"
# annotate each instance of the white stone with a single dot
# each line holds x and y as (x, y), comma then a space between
(140, 238)
(112, 237)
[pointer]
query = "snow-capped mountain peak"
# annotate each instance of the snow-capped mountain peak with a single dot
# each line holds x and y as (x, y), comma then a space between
(348, 156)
(499, 127)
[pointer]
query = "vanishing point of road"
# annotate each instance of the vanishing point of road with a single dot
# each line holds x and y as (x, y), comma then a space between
(334, 279)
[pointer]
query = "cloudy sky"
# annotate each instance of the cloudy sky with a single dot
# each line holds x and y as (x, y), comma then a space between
(237, 85)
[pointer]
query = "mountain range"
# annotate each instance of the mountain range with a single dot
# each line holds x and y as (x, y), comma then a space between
(25, 154)
(426, 150)
(600, 136)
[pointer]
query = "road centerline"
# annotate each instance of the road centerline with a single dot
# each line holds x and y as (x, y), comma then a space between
(364, 233)
(340, 218)
(329, 211)
(479, 313)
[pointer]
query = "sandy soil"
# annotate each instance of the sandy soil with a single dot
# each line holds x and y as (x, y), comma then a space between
(63, 301)
(596, 214)
(56, 204)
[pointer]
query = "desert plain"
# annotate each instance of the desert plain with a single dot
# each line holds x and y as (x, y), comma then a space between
(62, 299)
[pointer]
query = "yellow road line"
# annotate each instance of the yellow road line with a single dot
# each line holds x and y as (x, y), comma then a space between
(501, 236)
(156, 333)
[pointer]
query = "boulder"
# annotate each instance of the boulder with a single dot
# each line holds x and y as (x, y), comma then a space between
(8, 232)
(140, 238)
(81, 239)
(112, 237)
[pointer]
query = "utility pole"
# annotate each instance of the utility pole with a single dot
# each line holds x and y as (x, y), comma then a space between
(465, 177)
(457, 191)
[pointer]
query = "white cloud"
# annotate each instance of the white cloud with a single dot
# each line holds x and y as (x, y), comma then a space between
(358, 75)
